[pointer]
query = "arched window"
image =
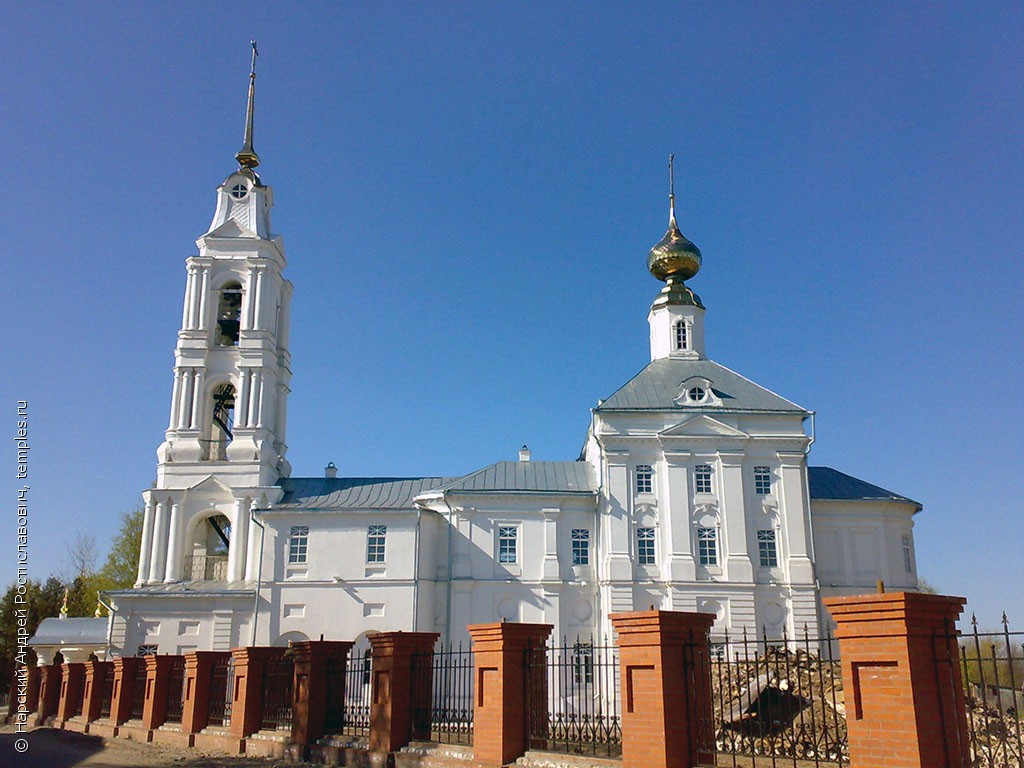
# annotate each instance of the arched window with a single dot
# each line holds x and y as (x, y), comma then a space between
(229, 314)
(206, 557)
(222, 422)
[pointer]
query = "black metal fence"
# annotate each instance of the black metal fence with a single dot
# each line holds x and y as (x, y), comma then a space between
(992, 667)
(776, 702)
(278, 684)
(443, 695)
(175, 690)
(139, 691)
(106, 691)
(222, 677)
(572, 698)
(354, 716)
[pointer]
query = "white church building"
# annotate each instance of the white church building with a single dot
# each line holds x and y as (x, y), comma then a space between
(692, 492)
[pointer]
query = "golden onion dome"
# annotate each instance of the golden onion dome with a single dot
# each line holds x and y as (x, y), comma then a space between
(673, 255)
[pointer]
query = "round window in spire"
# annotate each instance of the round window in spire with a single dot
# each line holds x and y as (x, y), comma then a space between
(239, 191)
(697, 394)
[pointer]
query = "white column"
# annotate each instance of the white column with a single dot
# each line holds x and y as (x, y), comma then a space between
(676, 518)
(255, 393)
(172, 568)
(159, 550)
(248, 317)
(204, 292)
(146, 548)
(550, 568)
(175, 397)
(239, 541)
(242, 404)
(257, 319)
(185, 399)
(735, 541)
(261, 407)
(252, 559)
(199, 377)
(186, 307)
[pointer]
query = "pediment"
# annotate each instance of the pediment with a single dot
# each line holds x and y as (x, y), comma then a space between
(210, 485)
(702, 425)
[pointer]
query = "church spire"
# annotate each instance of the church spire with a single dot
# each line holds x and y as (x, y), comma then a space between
(673, 256)
(246, 156)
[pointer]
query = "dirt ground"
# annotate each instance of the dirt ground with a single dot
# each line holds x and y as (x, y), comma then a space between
(49, 748)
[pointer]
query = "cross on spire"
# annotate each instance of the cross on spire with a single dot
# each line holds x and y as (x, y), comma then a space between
(671, 189)
(246, 156)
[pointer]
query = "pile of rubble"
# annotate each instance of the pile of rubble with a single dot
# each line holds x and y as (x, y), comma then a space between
(996, 735)
(782, 703)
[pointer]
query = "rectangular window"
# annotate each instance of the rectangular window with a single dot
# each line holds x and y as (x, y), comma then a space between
(702, 478)
(645, 546)
(707, 546)
(508, 538)
(644, 478)
(583, 663)
(376, 535)
(762, 481)
(147, 650)
(767, 549)
(298, 542)
(682, 341)
(580, 546)
(908, 562)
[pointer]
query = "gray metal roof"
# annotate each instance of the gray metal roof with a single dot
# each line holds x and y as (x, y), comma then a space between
(657, 386)
(79, 631)
(528, 477)
(831, 484)
(311, 493)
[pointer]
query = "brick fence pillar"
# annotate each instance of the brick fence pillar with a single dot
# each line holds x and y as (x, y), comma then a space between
(499, 711)
(72, 681)
(49, 691)
(96, 673)
(665, 673)
(313, 660)
(31, 703)
(124, 688)
(247, 699)
(902, 681)
(392, 693)
(158, 678)
(195, 710)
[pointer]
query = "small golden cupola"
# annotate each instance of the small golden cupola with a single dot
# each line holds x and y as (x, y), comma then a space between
(674, 259)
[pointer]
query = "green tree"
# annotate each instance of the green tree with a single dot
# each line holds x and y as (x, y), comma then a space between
(122, 564)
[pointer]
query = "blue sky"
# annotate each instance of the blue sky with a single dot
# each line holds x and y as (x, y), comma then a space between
(467, 194)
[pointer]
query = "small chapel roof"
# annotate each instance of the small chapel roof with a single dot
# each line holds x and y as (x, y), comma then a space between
(832, 485)
(310, 493)
(657, 387)
(76, 631)
(528, 477)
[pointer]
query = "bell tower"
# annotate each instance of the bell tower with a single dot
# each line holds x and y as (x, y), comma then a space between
(224, 447)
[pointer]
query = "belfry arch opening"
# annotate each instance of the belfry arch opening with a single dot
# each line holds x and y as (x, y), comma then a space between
(229, 315)
(222, 422)
(206, 556)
